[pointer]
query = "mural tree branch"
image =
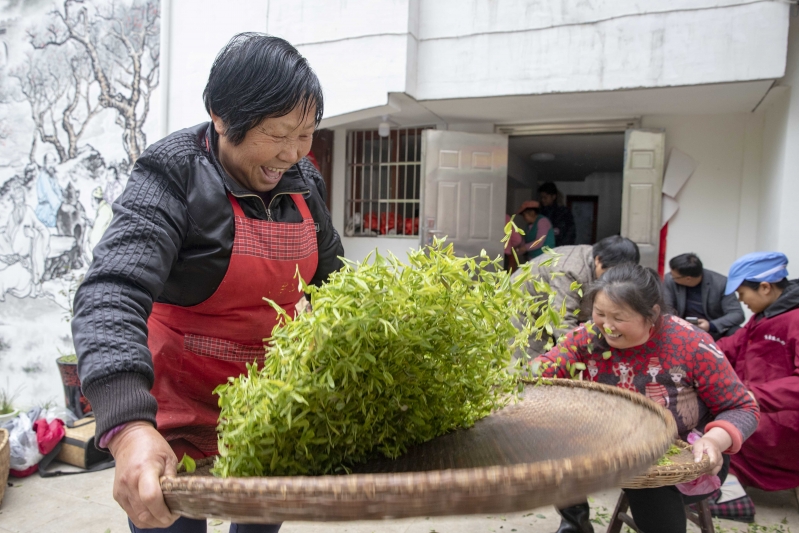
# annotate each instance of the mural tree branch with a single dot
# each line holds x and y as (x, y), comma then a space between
(57, 85)
(121, 42)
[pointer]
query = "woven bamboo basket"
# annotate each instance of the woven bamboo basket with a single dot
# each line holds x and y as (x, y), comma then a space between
(564, 440)
(5, 462)
(681, 470)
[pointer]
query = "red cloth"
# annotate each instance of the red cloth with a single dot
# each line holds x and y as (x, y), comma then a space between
(48, 435)
(765, 355)
(24, 473)
(664, 237)
(197, 348)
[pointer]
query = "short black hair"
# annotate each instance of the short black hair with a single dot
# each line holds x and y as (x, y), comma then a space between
(687, 265)
(631, 285)
(754, 285)
(615, 250)
(258, 76)
(549, 188)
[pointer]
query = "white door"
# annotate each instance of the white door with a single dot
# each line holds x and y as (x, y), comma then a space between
(463, 197)
(643, 181)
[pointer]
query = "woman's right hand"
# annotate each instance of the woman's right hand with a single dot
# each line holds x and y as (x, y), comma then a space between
(142, 456)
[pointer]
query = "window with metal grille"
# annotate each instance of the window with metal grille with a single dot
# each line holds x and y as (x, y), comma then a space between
(383, 182)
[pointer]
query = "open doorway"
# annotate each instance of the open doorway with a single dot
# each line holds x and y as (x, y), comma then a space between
(587, 169)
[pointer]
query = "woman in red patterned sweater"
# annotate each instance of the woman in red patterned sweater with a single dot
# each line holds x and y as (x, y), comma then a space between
(631, 344)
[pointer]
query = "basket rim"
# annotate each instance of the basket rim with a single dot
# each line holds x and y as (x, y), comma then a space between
(4, 436)
(551, 471)
(673, 474)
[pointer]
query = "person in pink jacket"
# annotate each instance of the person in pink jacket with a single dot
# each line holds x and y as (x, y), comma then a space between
(765, 355)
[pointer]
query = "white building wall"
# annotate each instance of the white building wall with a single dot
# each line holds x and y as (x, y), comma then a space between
(499, 48)
(779, 184)
(775, 132)
(360, 49)
(707, 221)
(198, 30)
(433, 49)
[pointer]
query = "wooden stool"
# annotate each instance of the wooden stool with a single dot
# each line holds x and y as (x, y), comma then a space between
(702, 518)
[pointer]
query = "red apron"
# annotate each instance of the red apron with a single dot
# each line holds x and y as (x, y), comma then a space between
(196, 348)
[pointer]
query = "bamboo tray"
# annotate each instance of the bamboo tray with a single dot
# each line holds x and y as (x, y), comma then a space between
(681, 470)
(565, 440)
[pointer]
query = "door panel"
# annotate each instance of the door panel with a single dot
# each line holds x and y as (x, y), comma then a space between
(465, 182)
(482, 202)
(447, 209)
(643, 181)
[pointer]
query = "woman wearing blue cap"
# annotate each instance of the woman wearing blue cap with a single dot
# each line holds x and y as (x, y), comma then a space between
(765, 355)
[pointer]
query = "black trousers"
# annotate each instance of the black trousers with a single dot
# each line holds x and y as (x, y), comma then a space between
(188, 525)
(662, 510)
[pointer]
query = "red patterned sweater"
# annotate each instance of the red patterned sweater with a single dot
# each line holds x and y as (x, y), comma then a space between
(679, 367)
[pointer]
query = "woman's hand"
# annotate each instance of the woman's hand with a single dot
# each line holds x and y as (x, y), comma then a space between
(142, 457)
(712, 443)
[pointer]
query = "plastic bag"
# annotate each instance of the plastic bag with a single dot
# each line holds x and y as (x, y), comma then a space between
(62, 413)
(704, 484)
(23, 443)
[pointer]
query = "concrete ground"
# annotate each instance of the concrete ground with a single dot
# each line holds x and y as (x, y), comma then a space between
(83, 504)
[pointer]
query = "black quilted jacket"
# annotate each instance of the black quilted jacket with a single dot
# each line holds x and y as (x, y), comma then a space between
(170, 241)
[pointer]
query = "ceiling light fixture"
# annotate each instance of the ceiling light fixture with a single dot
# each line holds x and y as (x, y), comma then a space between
(542, 156)
(384, 128)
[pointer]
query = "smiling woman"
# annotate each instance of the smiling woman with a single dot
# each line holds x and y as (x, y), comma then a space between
(214, 219)
(265, 103)
(631, 344)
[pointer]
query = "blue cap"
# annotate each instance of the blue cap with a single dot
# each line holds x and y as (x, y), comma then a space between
(770, 267)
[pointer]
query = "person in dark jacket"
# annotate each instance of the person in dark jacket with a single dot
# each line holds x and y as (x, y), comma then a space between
(214, 219)
(694, 292)
(560, 215)
(765, 355)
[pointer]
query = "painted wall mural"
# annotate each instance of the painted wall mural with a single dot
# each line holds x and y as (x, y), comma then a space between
(78, 104)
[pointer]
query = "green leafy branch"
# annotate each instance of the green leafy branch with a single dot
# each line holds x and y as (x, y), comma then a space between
(393, 354)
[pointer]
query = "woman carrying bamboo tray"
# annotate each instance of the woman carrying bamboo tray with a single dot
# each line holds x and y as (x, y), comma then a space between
(631, 344)
(213, 219)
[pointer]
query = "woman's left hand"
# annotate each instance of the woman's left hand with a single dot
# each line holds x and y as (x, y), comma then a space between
(712, 443)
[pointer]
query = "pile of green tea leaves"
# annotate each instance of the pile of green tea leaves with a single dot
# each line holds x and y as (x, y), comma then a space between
(671, 452)
(392, 354)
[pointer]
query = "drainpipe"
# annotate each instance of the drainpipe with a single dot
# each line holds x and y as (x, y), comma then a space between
(165, 53)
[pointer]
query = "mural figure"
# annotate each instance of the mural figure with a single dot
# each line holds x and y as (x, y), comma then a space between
(24, 244)
(113, 185)
(654, 390)
(49, 192)
(71, 218)
(625, 373)
(71, 222)
(687, 408)
(101, 220)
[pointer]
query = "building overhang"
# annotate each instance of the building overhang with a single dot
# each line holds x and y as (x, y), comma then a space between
(491, 113)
